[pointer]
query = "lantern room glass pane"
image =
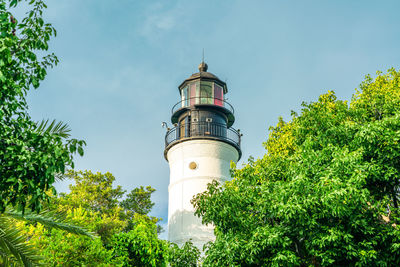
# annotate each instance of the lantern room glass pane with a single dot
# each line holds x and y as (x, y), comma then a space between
(218, 95)
(206, 93)
(193, 94)
(185, 97)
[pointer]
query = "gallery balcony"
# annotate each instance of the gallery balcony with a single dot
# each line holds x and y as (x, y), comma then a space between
(202, 130)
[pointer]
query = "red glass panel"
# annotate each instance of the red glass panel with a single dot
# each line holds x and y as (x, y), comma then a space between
(218, 95)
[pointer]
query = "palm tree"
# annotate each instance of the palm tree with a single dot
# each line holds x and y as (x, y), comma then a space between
(59, 128)
(13, 248)
(14, 251)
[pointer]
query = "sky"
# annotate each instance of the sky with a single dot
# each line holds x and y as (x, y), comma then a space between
(122, 61)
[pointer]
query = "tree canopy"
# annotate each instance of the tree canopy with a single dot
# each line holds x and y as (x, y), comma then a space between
(326, 192)
(32, 154)
(138, 200)
(29, 157)
(128, 237)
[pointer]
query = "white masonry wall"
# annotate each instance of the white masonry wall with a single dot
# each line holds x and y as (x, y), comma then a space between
(212, 160)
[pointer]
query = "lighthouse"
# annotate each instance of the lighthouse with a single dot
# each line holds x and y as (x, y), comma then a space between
(199, 149)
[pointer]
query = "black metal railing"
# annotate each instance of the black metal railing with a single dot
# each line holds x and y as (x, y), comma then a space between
(202, 101)
(203, 129)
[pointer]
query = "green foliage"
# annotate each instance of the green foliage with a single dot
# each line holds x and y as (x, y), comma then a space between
(29, 157)
(31, 154)
(93, 191)
(326, 192)
(54, 127)
(95, 203)
(138, 200)
(187, 256)
(50, 219)
(13, 247)
(58, 248)
(140, 246)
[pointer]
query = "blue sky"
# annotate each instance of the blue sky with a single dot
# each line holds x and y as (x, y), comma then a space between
(121, 63)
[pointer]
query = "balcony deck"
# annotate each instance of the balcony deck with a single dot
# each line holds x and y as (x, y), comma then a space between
(203, 130)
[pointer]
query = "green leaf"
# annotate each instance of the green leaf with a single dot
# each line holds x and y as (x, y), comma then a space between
(2, 77)
(13, 3)
(80, 151)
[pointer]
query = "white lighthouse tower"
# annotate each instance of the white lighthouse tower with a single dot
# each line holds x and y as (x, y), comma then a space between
(199, 149)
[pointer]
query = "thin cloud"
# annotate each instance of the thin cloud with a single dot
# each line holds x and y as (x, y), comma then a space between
(160, 20)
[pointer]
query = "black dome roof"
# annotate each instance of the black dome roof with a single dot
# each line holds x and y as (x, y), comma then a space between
(204, 75)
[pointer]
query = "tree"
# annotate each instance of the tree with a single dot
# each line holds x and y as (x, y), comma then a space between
(29, 159)
(325, 193)
(186, 256)
(92, 202)
(141, 246)
(58, 248)
(95, 203)
(31, 154)
(138, 200)
(127, 237)
(13, 246)
(94, 192)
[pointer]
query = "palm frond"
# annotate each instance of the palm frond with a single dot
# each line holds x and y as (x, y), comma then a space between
(8, 260)
(50, 219)
(13, 249)
(60, 128)
(59, 177)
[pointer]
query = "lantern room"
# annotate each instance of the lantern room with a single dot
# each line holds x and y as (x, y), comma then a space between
(203, 89)
(202, 92)
(202, 112)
